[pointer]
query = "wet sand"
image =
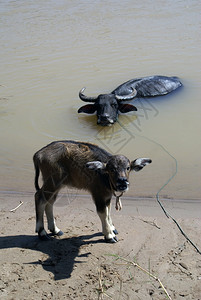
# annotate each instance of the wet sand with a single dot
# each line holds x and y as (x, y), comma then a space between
(79, 265)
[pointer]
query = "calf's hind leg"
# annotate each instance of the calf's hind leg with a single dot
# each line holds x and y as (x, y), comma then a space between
(44, 200)
(50, 217)
(40, 204)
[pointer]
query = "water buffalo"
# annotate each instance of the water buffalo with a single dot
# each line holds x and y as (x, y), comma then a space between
(83, 166)
(107, 106)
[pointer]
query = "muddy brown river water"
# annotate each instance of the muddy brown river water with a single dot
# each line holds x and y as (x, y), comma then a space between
(49, 50)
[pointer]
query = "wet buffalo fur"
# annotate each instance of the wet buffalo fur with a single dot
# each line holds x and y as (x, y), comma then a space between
(82, 166)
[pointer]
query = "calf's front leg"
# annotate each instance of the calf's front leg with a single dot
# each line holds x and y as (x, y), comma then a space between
(110, 220)
(107, 227)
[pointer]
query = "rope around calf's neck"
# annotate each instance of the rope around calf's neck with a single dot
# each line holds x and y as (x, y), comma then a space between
(118, 204)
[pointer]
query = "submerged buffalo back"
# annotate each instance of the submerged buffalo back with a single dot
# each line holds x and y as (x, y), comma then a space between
(149, 86)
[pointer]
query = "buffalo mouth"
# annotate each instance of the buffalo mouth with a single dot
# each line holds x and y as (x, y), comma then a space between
(123, 187)
(105, 121)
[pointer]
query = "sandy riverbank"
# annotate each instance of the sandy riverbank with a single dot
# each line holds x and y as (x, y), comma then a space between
(79, 264)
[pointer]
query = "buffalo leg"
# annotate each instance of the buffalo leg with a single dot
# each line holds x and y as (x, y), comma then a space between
(50, 217)
(44, 200)
(107, 229)
(40, 204)
(110, 220)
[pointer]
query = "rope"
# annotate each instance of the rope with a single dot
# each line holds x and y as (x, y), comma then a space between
(165, 184)
(118, 204)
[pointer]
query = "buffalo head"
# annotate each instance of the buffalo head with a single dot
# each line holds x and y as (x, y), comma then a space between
(118, 168)
(107, 106)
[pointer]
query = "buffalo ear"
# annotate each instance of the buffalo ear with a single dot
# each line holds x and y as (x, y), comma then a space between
(124, 108)
(95, 165)
(87, 109)
(140, 163)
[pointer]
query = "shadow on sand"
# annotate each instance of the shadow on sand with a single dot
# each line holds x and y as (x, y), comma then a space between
(62, 253)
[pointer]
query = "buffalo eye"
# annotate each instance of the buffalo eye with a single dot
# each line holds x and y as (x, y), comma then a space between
(128, 168)
(114, 104)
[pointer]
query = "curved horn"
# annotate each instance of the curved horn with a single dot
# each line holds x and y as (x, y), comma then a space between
(127, 97)
(85, 98)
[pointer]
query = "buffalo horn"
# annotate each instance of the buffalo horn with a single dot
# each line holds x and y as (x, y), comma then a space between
(85, 98)
(127, 97)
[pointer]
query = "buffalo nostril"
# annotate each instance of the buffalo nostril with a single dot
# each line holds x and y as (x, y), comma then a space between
(122, 184)
(123, 180)
(104, 117)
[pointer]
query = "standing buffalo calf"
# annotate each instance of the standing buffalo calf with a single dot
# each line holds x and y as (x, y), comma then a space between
(83, 166)
(108, 106)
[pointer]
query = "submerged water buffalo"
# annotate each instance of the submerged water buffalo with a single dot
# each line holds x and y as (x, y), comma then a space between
(108, 106)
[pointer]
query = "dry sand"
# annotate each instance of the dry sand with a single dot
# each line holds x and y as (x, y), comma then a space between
(79, 265)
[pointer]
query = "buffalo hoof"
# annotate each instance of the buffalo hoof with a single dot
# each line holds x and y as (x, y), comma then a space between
(44, 238)
(60, 233)
(112, 240)
(115, 231)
